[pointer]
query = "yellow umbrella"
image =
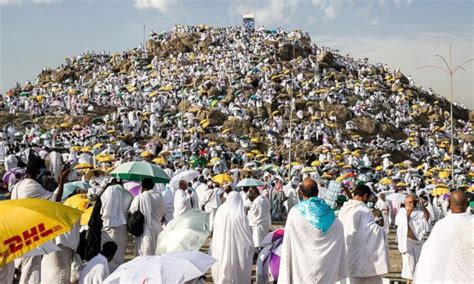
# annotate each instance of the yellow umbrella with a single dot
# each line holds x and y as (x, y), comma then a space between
(222, 178)
(98, 145)
(86, 149)
(308, 170)
(379, 168)
(214, 160)
(146, 154)
(385, 181)
(443, 175)
(159, 161)
(315, 163)
(89, 173)
(104, 158)
(264, 160)
(225, 131)
(256, 152)
(76, 148)
(82, 203)
(326, 176)
(83, 166)
(255, 140)
(40, 221)
(401, 184)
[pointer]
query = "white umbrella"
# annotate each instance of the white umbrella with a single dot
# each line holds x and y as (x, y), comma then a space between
(177, 267)
(188, 175)
(386, 155)
(189, 231)
(399, 197)
(249, 182)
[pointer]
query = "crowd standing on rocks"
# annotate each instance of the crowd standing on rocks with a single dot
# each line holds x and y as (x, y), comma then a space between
(313, 127)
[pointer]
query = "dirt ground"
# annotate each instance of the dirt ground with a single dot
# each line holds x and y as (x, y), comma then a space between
(395, 260)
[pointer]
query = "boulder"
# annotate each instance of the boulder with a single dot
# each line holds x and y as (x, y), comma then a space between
(366, 125)
(289, 51)
(325, 57)
(238, 126)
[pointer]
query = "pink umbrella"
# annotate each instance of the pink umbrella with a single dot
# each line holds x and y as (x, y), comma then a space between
(133, 187)
(14, 171)
(268, 262)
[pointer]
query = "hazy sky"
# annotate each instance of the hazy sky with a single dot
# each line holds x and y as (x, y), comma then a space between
(404, 34)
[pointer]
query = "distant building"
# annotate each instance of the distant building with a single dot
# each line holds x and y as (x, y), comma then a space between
(249, 22)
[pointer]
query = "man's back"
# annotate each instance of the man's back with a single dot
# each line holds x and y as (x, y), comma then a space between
(308, 255)
(367, 250)
(436, 249)
(95, 271)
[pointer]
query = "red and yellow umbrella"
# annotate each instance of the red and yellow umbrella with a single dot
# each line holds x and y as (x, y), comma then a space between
(40, 221)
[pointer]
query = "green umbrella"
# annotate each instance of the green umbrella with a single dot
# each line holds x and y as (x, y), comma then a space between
(138, 171)
(198, 162)
(70, 187)
(24, 94)
(249, 182)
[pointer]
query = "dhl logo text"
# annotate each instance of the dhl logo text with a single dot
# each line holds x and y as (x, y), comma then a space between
(28, 237)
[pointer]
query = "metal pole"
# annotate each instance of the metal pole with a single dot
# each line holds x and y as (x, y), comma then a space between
(144, 38)
(452, 120)
(291, 116)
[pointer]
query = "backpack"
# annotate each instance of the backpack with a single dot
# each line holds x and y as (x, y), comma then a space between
(136, 222)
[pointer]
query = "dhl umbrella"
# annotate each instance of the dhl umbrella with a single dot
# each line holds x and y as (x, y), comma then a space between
(40, 221)
(222, 178)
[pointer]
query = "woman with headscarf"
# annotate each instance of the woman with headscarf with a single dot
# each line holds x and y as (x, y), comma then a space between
(232, 243)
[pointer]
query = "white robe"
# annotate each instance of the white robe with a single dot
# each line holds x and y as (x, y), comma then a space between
(168, 197)
(410, 249)
(56, 266)
(308, 255)
(366, 244)
(55, 165)
(232, 243)
(431, 267)
(460, 265)
(95, 271)
(29, 188)
(152, 206)
(115, 204)
(181, 202)
(259, 219)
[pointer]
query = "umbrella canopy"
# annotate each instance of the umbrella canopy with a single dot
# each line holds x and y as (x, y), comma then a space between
(138, 171)
(70, 187)
(82, 203)
(250, 182)
(40, 221)
(188, 175)
(188, 231)
(178, 267)
(398, 197)
(10, 173)
(222, 178)
(133, 187)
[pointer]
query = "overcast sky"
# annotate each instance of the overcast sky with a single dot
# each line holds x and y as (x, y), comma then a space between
(404, 34)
